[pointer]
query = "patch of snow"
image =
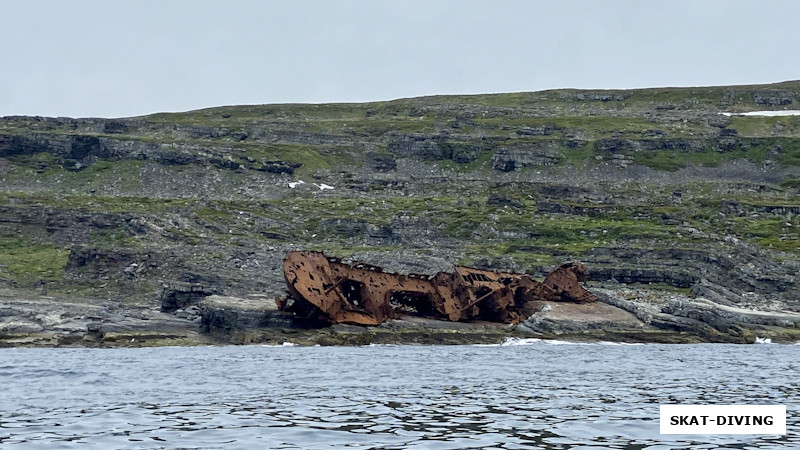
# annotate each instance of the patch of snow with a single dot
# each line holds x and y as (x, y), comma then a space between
(793, 112)
(294, 184)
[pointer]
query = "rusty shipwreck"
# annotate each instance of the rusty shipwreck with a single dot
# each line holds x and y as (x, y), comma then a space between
(326, 289)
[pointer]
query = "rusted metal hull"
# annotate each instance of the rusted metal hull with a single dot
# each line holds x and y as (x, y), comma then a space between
(327, 289)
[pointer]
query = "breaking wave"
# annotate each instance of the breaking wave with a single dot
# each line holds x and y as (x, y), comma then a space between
(514, 341)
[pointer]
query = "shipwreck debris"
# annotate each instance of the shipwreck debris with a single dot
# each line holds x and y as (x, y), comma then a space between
(327, 289)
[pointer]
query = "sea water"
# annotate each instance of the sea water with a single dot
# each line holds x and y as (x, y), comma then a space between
(535, 394)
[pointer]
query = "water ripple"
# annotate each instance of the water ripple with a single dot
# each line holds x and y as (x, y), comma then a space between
(536, 395)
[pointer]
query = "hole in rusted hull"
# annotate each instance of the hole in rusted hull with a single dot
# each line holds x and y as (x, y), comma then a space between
(352, 292)
(411, 303)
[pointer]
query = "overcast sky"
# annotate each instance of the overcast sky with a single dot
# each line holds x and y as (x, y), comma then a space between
(107, 58)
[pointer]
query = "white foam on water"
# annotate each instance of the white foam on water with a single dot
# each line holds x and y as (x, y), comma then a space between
(557, 342)
(763, 340)
(619, 343)
(285, 344)
(513, 341)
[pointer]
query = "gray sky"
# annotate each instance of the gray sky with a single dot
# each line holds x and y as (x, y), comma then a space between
(108, 58)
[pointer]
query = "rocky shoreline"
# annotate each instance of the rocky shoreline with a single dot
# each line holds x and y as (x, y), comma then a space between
(621, 315)
(170, 229)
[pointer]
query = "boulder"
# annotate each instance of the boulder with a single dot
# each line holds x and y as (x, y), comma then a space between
(178, 295)
(224, 314)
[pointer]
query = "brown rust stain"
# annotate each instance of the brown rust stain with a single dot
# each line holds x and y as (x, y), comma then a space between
(327, 289)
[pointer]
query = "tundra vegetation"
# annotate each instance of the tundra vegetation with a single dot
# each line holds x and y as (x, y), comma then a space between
(650, 188)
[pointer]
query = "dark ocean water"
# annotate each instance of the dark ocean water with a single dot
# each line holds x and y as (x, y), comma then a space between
(539, 395)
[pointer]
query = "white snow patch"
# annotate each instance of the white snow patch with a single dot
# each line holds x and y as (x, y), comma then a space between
(793, 112)
(294, 184)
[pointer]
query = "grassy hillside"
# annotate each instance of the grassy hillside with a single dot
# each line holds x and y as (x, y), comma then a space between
(521, 181)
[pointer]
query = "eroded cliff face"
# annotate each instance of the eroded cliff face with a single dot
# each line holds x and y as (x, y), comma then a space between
(649, 187)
